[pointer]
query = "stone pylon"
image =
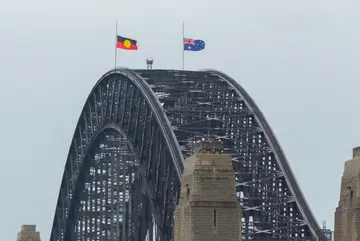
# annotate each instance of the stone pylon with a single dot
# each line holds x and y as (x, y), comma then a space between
(347, 214)
(28, 233)
(208, 209)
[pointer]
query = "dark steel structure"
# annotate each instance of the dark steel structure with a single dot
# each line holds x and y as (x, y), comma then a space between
(122, 173)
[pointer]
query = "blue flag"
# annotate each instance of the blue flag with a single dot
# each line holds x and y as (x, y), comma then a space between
(193, 44)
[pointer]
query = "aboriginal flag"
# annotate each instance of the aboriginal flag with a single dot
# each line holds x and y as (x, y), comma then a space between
(126, 43)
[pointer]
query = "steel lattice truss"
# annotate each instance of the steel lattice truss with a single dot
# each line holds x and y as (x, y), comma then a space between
(122, 174)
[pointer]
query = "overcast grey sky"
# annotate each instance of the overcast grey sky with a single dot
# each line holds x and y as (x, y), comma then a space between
(298, 59)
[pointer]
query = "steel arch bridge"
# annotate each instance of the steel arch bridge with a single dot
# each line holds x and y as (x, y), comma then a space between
(122, 174)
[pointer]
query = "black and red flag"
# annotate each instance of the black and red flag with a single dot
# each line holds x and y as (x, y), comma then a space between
(126, 43)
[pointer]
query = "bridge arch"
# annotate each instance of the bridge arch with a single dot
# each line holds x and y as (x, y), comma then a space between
(122, 102)
(122, 172)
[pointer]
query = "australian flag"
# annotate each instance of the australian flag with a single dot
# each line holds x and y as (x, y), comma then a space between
(193, 44)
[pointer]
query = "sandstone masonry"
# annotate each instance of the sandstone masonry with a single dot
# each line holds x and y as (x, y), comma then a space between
(347, 214)
(28, 233)
(208, 209)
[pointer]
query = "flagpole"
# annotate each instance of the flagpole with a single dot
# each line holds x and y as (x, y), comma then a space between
(116, 43)
(182, 44)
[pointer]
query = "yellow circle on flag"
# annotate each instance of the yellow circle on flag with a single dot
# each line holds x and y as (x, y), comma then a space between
(127, 43)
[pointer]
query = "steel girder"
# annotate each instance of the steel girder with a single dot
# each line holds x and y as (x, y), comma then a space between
(122, 174)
